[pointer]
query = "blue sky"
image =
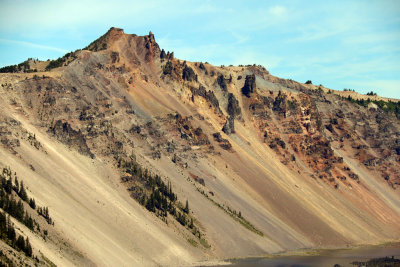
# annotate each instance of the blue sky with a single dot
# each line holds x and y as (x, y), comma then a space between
(340, 44)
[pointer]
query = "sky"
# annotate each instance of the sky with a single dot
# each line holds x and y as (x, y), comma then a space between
(339, 44)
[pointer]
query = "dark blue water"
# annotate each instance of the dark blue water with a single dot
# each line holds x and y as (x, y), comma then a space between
(326, 258)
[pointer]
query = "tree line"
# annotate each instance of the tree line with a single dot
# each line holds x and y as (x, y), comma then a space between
(157, 196)
(388, 106)
(9, 236)
(15, 209)
(24, 67)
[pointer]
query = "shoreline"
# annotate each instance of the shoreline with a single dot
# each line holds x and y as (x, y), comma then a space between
(304, 252)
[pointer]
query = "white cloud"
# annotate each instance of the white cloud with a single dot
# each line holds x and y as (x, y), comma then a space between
(34, 45)
(37, 17)
(240, 38)
(321, 30)
(339, 66)
(337, 42)
(205, 8)
(375, 37)
(277, 10)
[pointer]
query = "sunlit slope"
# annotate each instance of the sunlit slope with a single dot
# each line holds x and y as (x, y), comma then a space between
(265, 164)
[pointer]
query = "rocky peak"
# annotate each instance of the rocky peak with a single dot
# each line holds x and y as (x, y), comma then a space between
(240, 127)
(145, 46)
(151, 36)
(151, 45)
(114, 30)
(106, 40)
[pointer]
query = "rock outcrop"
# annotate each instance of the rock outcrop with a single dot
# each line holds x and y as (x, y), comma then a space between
(233, 108)
(63, 132)
(249, 85)
(198, 158)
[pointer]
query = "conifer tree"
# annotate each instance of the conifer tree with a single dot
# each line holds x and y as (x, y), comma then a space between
(20, 243)
(186, 207)
(32, 203)
(19, 211)
(11, 235)
(22, 192)
(16, 187)
(28, 248)
(8, 186)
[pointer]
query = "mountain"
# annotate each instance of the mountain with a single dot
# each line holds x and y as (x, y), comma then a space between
(129, 156)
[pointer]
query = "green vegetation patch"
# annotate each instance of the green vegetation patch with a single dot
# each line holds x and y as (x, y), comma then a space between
(387, 106)
(237, 216)
(21, 67)
(61, 61)
(156, 196)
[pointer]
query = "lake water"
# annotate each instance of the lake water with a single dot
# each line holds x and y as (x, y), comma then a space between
(324, 258)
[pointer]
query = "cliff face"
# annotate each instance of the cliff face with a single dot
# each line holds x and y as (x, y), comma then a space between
(265, 164)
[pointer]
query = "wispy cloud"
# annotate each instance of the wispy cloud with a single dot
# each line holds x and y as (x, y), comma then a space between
(277, 10)
(240, 38)
(205, 8)
(331, 42)
(323, 29)
(373, 38)
(22, 43)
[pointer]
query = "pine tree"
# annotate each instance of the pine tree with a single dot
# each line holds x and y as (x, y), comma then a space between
(8, 186)
(11, 235)
(22, 192)
(32, 203)
(16, 187)
(46, 212)
(3, 223)
(20, 243)
(28, 248)
(150, 203)
(39, 211)
(186, 207)
(19, 213)
(28, 221)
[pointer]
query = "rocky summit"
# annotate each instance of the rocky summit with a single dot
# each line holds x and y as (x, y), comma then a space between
(120, 154)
